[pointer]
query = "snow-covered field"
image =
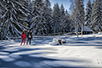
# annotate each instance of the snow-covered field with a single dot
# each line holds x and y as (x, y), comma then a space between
(82, 52)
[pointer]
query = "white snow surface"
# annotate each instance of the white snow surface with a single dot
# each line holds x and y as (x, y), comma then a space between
(85, 51)
(85, 28)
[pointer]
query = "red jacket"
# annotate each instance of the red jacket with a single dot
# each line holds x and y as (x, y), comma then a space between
(23, 35)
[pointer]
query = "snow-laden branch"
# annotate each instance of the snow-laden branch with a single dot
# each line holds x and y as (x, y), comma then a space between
(17, 31)
(14, 11)
(20, 25)
(11, 17)
(13, 5)
(23, 12)
(4, 14)
(35, 17)
(21, 6)
(6, 21)
(22, 19)
(3, 6)
(14, 16)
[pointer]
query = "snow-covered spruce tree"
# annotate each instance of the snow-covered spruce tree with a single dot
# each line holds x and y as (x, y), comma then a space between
(92, 11)
(1, 31)
(72, 6)
(56, 19)
(13, 17)
(79, 15)
(2, 26)
(88, 14)
(29, 5)
(62, 18)
(48, 16)
(96, 17)
(93, 3)
(39, 24)
(72, 16)
(68, 24)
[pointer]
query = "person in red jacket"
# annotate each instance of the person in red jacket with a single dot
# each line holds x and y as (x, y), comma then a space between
(23, 36)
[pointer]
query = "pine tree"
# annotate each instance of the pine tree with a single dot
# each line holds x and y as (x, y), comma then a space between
(56, 19)
(79, 15)
(39, 24)
(62, 18)
(67, 24)
(29, 5)
(48, 16)
(93, 3)
(72, 16)
(1, 26)
(96, 17)
(92, 10)
(62, 10)
(88, 14)
(72, 6)
(13, 17)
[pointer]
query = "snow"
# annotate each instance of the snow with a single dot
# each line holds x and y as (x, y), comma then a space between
(56, 41)
(4, 53)
(6, 58)
(99, 32)
(85, 51)
(87, 29)
(23, 64)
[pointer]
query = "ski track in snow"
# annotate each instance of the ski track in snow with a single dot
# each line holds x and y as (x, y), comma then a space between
(82, 52)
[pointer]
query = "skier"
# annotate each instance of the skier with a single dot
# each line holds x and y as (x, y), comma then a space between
(23, 36)
(29, 37)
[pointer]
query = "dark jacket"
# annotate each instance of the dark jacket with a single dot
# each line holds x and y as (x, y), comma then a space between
(29, 35)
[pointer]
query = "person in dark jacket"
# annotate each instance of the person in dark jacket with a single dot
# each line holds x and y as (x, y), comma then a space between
(23, 36)
(29, 37)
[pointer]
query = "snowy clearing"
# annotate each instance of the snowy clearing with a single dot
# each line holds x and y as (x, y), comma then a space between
(82, 52)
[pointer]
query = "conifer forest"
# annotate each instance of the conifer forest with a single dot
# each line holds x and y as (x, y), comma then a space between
(41, 19)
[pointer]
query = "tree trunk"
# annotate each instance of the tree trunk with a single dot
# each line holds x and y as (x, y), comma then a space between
(82, 27)
(77, 29)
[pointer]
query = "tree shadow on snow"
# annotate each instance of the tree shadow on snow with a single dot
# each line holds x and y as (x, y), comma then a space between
(27, 61)
(42, 62)
(97, 46)
(34, 60)
(90, 38)
(90, 41)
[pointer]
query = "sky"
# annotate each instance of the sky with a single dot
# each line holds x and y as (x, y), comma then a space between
(66, 3)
